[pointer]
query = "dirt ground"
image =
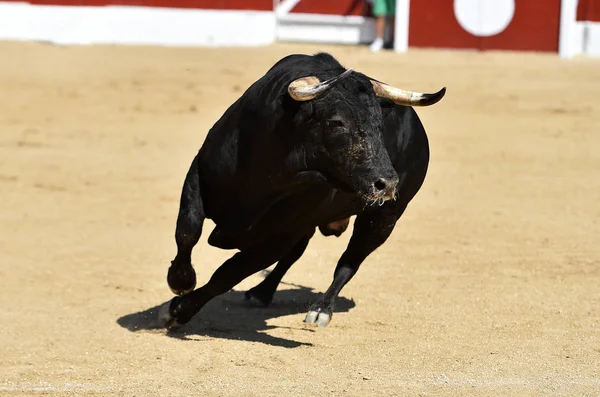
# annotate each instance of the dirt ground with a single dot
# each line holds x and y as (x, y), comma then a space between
(489, 286)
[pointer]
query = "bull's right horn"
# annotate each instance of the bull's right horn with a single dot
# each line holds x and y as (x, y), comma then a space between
(406, 98)
(307, 88)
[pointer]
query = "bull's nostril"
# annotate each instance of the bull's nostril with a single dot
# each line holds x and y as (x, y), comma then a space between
(380, 184)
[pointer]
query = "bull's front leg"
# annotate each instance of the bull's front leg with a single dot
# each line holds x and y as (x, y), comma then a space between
(371, 230)
(181, 276)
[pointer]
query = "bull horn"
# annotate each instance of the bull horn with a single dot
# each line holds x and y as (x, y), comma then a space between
(407, 98)
(307, 88)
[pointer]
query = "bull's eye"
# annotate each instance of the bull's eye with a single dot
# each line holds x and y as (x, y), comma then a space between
(333, 123)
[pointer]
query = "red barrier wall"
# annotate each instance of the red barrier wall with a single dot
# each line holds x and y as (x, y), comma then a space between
(258, 5)
(588, 10)
(332, 7)
(535, 26)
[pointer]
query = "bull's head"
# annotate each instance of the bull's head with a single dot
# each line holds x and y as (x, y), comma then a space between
(346, 128)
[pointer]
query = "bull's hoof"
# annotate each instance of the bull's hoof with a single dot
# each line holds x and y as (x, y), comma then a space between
(166, 319)
(254, 299)
(181, 292)
(319, 318)
(181, 279)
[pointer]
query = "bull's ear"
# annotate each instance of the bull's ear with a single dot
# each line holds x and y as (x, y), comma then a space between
(307, 88)
(405, 97)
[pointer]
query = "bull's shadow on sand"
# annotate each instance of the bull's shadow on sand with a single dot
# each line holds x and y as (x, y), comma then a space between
(229, 316)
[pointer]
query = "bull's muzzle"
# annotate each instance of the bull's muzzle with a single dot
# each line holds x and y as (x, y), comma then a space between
(384, 189)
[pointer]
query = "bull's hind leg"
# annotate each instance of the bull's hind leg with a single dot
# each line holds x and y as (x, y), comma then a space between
(243, 264)
(262, 294)
(371, 230)
(181, 276)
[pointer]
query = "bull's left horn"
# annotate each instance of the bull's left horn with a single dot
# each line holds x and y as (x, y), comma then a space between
(307, 88)
(405, 97)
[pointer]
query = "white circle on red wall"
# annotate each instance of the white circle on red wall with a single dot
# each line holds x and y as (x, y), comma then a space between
(484, 17)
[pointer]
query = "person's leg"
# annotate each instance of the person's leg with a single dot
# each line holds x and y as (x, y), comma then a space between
(391, 29)
(385, 12)
(390, 19)
(380, 12)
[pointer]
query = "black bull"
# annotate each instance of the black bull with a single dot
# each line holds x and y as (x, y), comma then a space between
(307, 146)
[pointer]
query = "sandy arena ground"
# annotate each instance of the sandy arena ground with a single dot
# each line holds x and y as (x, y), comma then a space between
(489, 286)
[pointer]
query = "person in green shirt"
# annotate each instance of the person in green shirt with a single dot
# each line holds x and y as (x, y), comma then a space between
(384, 11)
